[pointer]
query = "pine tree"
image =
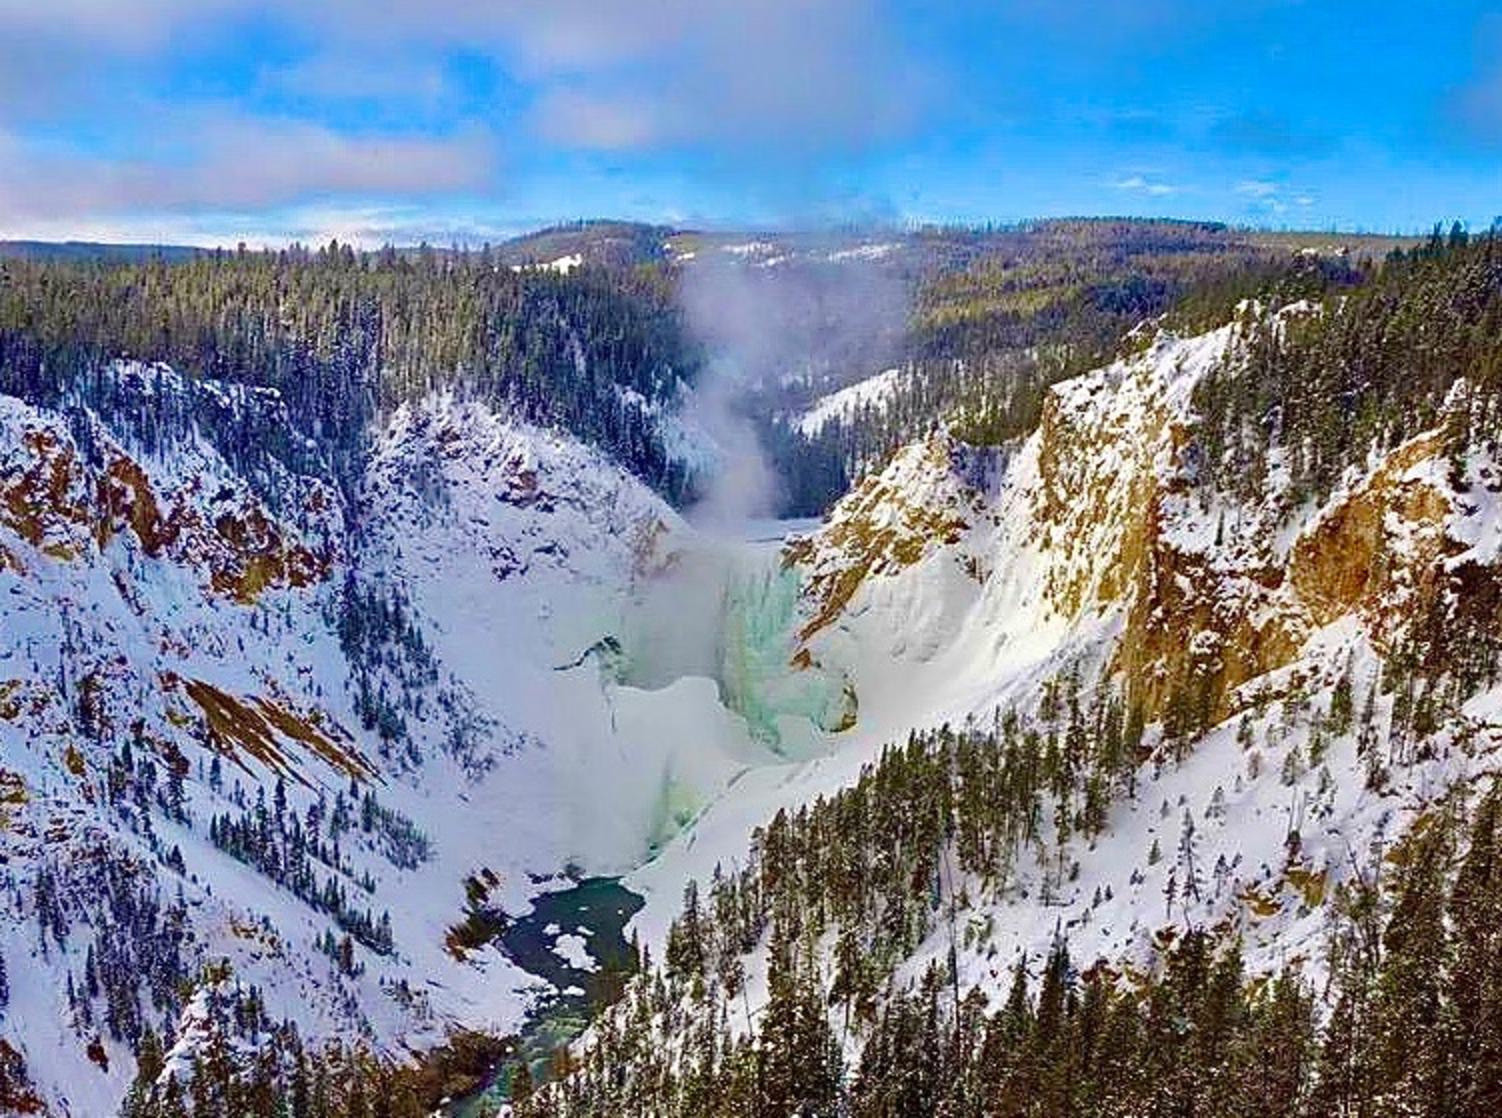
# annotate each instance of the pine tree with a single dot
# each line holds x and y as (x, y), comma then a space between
(1272, 1062)
(1473, 1035)
(1413, 1060)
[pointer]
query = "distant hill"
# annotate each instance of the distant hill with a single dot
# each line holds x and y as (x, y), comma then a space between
(601, 242)
(94, 250)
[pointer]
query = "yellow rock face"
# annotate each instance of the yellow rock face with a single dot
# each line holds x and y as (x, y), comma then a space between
(1380, 549)
(1212, 593)
(63, 508)
(880, 528)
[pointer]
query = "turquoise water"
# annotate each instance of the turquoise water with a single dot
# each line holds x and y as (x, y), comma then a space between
(602, 906)
(759, 617)
(733, 617)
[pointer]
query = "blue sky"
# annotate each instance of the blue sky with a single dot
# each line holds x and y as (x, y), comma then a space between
(217, 120)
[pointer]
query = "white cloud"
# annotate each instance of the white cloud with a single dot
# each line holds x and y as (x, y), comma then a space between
(233, 162)
(760, 83)
(1270, 197)
(366, 226)
(136, 26)
(711, 71)
(604, 123)
(767, 75)
(1143, 185)
(1257, 188)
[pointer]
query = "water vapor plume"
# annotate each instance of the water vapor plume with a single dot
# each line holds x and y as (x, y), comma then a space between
(783, 320)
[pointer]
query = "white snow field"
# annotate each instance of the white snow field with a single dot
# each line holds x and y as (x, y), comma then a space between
(600, 688)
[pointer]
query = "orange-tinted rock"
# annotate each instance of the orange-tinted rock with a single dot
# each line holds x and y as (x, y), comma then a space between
(56, 504)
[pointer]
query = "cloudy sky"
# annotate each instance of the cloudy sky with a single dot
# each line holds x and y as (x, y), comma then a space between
(210, 121)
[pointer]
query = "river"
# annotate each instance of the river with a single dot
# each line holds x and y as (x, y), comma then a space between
(591, 915)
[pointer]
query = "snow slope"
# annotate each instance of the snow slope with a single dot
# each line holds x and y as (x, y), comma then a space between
(496, 658)
(872, 393)
(179, 643)
(958, 581)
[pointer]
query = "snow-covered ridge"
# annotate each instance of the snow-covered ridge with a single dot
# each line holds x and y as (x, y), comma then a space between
(521, 659)
(958, 581)
(1097, 520)
(875, 392)
(188, 504)
(185, 647)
